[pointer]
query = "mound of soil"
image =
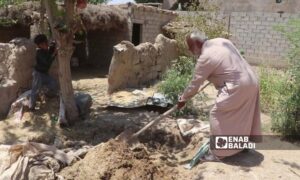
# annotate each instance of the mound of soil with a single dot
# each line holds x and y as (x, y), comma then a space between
(115, 160)
(163, 141)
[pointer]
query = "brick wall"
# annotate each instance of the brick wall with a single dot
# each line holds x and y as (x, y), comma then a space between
(288, 6)
(151, 18)
(254, 33)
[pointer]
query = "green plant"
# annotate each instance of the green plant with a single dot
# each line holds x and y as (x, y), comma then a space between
(272, 86)
(7, 22)
(13, 2)
(203, 5)
(176, 80)
(204, 21)
(177, 77)
(8, 2)
(286, 115)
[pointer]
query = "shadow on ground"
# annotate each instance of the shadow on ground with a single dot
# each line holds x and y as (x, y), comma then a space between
(88, 72)
(249, 158)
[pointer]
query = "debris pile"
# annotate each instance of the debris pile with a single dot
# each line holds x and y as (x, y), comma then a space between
(31, 161)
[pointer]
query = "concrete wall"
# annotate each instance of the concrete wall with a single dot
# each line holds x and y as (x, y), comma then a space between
(288, 6)
(151, 18)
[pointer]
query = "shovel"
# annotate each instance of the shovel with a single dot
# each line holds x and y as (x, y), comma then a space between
(130, 137)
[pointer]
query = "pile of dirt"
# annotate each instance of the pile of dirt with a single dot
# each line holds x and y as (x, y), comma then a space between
(163, 141)
(115, 160)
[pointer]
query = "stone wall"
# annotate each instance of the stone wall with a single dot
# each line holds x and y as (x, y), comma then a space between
(134, 66)
(16, 63)
(254, 33)
(151, 18)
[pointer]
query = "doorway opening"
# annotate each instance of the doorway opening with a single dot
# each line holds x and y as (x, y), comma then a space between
(136, 33)
(11, 32)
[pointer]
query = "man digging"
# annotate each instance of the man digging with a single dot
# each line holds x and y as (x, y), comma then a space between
(236, 111)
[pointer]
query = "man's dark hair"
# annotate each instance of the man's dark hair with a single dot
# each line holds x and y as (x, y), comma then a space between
(40, 38)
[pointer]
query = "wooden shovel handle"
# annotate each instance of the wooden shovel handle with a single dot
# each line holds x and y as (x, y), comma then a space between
(165, 114)
(154, 121)
(204, 86)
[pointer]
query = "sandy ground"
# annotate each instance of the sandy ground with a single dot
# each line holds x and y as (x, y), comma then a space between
(161, 153)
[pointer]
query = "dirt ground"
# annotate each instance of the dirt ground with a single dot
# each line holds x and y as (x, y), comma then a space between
(161, 153)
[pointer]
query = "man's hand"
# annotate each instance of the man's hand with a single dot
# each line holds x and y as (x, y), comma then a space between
(55, 52)
(52, 48)
(180, 104)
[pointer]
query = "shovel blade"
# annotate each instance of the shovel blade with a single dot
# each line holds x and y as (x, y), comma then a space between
(127, 137)
(188, 166)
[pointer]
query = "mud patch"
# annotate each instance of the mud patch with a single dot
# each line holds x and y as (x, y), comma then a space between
(115, 160)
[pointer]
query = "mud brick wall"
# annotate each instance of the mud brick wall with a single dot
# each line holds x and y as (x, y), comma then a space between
(255, 34)
(17, 59)
(152, 20)
(136, 66)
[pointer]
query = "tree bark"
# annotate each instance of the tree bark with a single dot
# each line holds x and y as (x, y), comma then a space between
(65, 49)
(42, 17)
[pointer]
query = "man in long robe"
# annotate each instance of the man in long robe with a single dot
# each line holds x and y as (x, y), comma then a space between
(236, 110)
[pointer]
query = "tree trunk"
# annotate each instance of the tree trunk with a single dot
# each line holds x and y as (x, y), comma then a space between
(65, 79)
(65, 49)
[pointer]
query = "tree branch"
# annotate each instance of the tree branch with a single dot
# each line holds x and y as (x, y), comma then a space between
(70, 6)
(52, 11)
(69, 20)
(42, 17)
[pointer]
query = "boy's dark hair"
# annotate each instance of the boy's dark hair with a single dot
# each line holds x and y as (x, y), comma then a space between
(40, 38)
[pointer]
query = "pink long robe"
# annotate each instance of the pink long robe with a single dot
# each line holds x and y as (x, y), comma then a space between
(236, 110)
